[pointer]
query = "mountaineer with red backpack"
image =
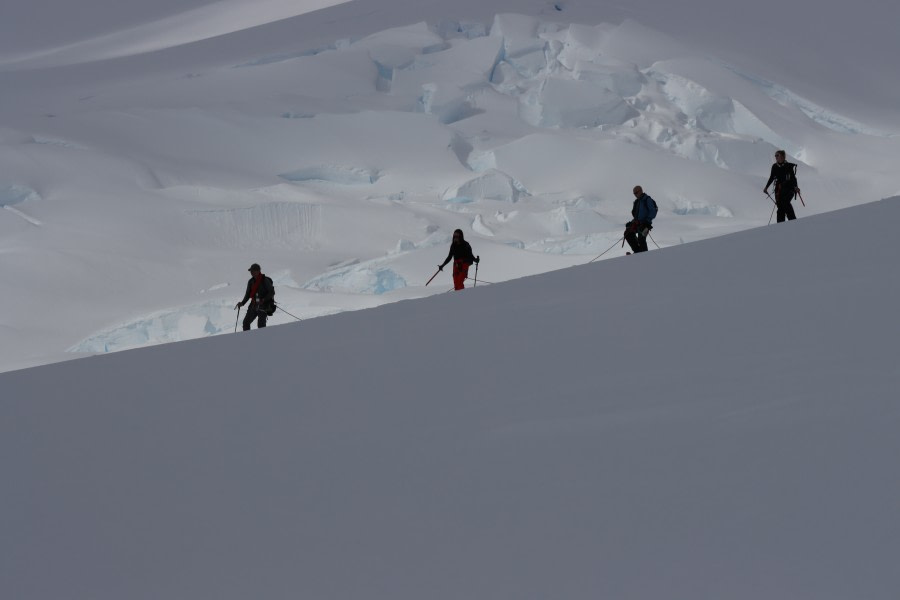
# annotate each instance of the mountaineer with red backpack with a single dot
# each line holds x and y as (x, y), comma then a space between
(261, 294)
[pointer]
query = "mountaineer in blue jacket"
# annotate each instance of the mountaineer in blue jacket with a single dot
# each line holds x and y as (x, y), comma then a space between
(643, 213)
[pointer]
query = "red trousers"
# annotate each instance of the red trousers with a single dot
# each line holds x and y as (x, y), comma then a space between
(460, 272)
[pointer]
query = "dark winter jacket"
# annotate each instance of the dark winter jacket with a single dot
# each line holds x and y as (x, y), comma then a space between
(265, 294)
(783, 174)
(460, 251)
(641, 211)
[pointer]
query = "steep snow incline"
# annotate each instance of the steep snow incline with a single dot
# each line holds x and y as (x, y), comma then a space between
(716, 420)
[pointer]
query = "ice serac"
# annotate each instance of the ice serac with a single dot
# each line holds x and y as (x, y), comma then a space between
(491, 185)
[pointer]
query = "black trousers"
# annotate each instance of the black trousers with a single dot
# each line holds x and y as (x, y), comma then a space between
(783, 197)
(252, 314)
(637, 242)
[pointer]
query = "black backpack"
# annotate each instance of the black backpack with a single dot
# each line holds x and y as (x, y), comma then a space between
(268, 306)
(792, 175)
(652, 208)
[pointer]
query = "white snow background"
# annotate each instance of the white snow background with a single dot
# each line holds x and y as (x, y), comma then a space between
(710, 420)
(149, 152)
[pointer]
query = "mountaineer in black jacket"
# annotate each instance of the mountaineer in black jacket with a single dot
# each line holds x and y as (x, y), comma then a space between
(461, 253)
(784, 174)
(261, 294)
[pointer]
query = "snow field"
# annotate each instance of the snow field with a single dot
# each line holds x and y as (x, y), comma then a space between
(367, 151)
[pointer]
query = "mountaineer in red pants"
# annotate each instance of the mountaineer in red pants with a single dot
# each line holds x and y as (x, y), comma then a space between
(461, 253)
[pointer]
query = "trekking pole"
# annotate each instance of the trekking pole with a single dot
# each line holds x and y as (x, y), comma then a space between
(773, 208)
(622, 239)
(237, 318)
(654, 241)
(286, 312)
(432, 277)
(801, 198)
(476, 270)
(481, 280)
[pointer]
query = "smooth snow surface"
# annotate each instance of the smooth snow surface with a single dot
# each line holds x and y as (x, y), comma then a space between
(149, 152)
(716, 420)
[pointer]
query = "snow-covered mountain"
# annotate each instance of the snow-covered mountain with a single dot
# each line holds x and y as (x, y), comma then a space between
(149, 152)
(716, 420)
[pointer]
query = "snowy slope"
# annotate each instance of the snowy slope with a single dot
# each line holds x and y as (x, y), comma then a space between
(716, 420)
(148, 156)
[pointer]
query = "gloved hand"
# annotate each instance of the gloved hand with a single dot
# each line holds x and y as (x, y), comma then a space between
(766, 191)
(477, 259)
(440, 267)
(238, 305)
